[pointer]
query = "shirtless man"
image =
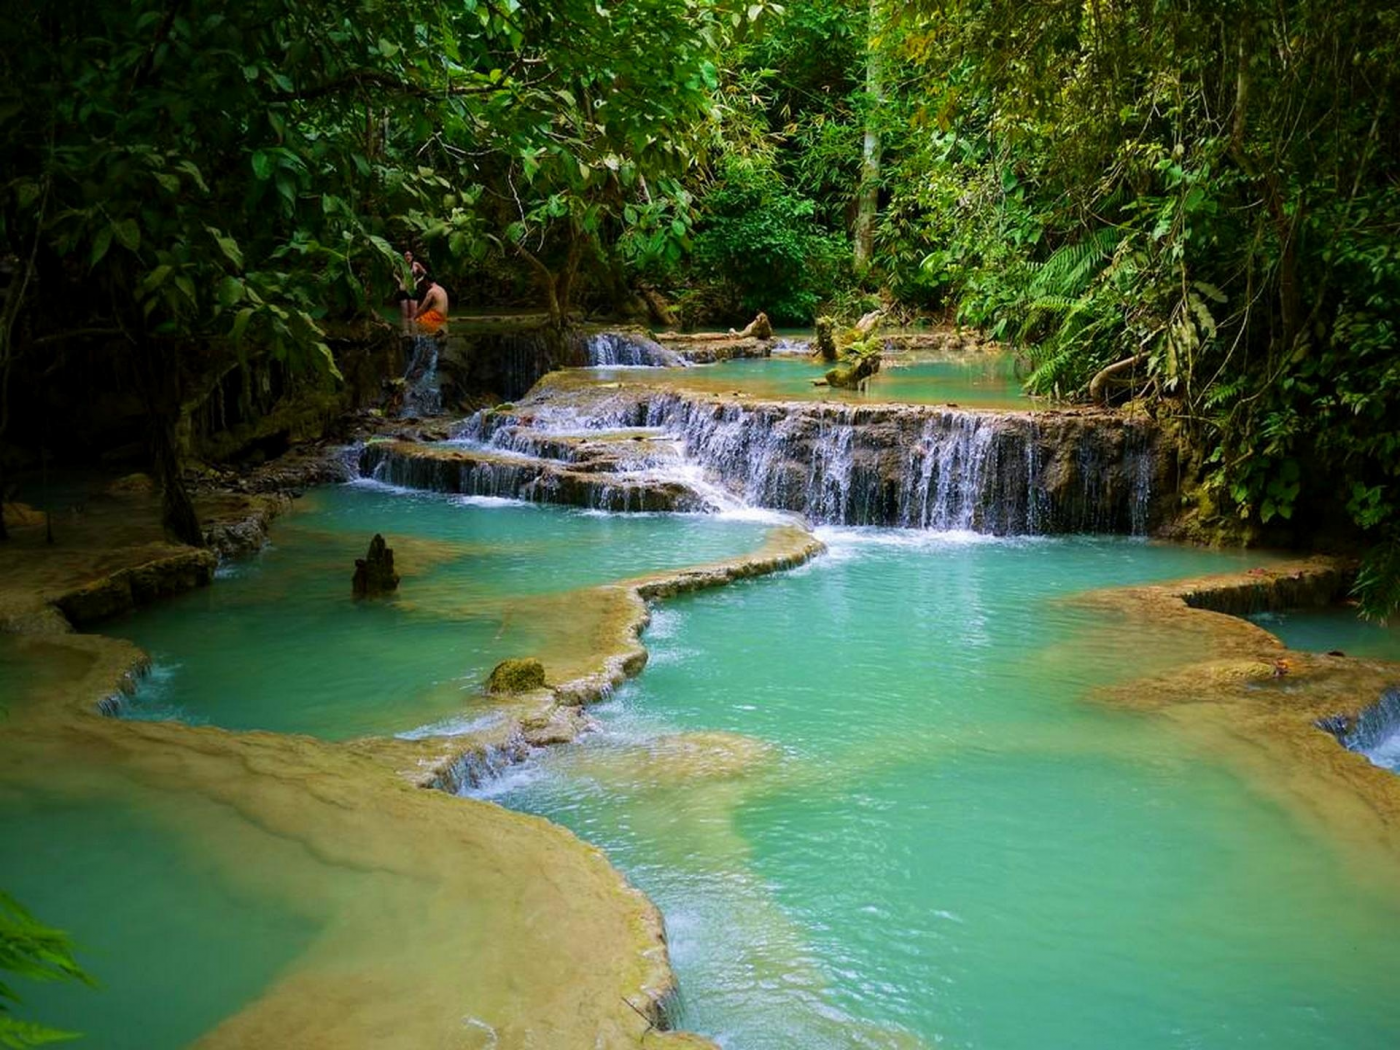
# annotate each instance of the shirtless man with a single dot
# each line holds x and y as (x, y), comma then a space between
(432, 306)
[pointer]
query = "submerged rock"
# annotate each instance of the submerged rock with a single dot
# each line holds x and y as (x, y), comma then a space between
(516, 676)
(374, 573)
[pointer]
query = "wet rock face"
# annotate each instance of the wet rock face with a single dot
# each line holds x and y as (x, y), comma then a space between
(598, 476)
(128, 589)
(516, 676)
(374, 573)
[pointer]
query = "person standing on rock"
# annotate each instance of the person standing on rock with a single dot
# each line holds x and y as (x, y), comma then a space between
(433, 307)
(406, 297)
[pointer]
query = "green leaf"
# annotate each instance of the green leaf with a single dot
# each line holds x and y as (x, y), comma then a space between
(328, 359)
(100, 244)
(385, 249)
(188, 167)
(128, 234)
(262, 165)
(167, 181)
(228, 246)
(156, 278)
(240, 323)
(229, 291)
(26, 193)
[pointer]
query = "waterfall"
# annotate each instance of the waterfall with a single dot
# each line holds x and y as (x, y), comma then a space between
(1376, 733)
(422, 395)
(894, 465)
(921, 467)
(628, 349)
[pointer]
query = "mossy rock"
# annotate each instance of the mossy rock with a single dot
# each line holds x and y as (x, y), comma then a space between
(851, 373)
(516, 676)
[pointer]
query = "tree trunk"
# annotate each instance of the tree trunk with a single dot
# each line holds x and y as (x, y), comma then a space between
(177, 511)
(868, 196)
(158, 375)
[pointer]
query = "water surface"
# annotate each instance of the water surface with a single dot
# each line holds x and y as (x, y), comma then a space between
(173, 948)
(879, 806)
(1338, 628)
(975, 379)
(278, 643)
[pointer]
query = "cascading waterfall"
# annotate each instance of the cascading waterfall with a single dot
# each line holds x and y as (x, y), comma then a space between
(1376, 733)
(627, 349)
(921, 468)
(892, 465)
(422, 394)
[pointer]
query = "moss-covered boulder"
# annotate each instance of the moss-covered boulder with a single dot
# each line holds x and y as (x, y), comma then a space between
(516, 676)
(850, 373)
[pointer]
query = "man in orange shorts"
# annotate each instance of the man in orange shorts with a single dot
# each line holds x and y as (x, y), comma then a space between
(432, 306)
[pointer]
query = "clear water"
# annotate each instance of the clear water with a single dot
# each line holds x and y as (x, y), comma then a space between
(878, 807)
(278, 643)
(1323, 630)
(1340, 629)
(172, 947)
(972, 380)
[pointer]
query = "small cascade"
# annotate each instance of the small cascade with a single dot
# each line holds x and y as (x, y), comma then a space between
(613, 349)
(921, 468)
(478, 767)
(783, 345)
(1376, 732)
(892, 465)
(422, 394)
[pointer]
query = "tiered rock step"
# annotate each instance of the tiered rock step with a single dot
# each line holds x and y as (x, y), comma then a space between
(648, 446)
(620, 471)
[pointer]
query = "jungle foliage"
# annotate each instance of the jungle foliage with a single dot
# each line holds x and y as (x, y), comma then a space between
(1195, 204)
(188, 182)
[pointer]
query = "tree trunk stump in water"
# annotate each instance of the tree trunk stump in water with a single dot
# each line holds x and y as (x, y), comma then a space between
(374, 573)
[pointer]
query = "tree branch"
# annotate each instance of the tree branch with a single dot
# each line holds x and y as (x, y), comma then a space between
(1100, 380)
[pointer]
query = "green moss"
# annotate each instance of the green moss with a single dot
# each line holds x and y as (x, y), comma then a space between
(516, 676)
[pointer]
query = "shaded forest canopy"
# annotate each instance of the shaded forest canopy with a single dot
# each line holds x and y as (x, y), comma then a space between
(1191, 205)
